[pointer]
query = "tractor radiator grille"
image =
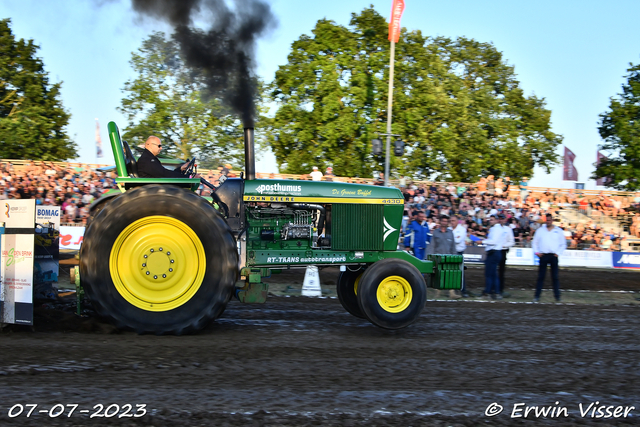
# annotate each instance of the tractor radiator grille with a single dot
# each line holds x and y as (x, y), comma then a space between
(356, 227)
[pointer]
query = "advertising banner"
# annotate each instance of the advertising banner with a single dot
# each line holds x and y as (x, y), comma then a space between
(47, 251)
(71, 237)
(515, 256)
(16, 270)
(626, 260)
(520, 256)
(474, 255)
(594, 259)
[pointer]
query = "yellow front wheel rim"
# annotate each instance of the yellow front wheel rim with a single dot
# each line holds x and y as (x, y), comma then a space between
(394, 294)
(157, 263)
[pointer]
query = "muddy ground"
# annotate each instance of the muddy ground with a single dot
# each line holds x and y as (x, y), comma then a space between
(298, 361)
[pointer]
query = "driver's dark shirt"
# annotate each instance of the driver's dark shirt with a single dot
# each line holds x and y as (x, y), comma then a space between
(150, 167)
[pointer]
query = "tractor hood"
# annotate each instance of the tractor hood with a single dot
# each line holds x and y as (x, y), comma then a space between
(275, 190)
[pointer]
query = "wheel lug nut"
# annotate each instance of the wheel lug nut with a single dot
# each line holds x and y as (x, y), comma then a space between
(171, 261)
(170, 270)
(151, 250)
(144, 264)
(168, 253)
(160, 249)
(148, 273)
(164, 275)
(155, 277)
(145, 256)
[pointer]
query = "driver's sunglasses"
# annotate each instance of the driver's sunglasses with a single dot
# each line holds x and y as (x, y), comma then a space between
(159, 145)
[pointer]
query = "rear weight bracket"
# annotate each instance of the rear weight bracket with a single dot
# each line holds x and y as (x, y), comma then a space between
(253, 291)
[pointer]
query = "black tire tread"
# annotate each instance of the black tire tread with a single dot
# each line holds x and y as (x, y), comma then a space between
(346, 295)
(145, 198)
(368, 285)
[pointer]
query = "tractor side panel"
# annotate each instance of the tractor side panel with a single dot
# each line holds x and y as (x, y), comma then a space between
(357, 227)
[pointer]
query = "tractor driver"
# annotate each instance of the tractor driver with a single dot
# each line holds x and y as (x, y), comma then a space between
(150, 167)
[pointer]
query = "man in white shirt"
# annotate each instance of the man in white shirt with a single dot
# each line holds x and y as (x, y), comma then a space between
(460, 238)
(508, 241)
(316, 175)
(548, 244)
(493, 247)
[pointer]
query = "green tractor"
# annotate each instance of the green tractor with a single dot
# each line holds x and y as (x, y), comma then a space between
(157, 258)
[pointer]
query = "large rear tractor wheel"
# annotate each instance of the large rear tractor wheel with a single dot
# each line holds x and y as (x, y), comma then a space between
(392, 293)
(159, 259)
(347, 290)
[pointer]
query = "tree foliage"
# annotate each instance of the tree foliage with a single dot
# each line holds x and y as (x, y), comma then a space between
(32, 119)
(457, 105)
(620, 130)
(170, 100)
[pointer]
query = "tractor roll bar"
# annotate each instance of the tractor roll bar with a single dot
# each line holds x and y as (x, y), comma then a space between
(116, 146)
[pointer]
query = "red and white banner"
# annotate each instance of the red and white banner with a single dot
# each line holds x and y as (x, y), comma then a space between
(394, 22)
(570, 173)
(71, 237)
(600, 157)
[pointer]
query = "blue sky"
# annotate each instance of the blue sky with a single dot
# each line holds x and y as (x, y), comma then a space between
(573, 54)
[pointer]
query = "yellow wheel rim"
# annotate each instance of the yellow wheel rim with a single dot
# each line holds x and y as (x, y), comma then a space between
(355, 284)
(394, 294)
(157, 263)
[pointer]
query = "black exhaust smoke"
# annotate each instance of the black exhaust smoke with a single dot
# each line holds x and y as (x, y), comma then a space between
(223, 54)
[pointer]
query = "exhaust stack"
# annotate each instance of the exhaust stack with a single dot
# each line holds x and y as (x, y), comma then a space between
(249, 154)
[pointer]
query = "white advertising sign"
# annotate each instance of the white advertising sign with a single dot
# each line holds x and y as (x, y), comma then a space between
(18, 213)
(71, 237)
(16, 269)
(520, 256)
(586, 259)
(17, 266)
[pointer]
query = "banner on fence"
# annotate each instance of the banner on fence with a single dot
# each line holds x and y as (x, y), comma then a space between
(71, 237)
(47, 251)
(626, 260)
(474, 255)
(16, 270)
(594, 259)
(520, 256)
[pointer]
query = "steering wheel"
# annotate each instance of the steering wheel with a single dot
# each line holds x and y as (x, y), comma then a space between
(191, 169)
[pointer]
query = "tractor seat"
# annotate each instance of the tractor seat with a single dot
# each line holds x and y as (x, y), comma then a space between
(130, 161)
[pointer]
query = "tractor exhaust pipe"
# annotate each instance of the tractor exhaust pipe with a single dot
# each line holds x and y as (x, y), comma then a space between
(249, 154)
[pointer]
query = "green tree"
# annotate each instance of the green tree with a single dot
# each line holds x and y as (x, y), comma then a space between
(620, 130)
(170, 100)
(32, 119)
(457, 105)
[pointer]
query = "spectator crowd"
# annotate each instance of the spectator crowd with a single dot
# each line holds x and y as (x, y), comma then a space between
(75, 188)
(71, 188)
(524, 211)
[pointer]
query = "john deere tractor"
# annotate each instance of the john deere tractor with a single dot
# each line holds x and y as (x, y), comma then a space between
(158, 258)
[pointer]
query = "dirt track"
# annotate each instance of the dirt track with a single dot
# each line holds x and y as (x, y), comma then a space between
(305, 361)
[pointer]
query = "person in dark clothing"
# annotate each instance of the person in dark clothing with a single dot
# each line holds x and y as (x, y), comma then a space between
(150, 167)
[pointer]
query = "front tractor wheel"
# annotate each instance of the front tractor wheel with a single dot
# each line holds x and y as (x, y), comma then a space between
(159, 259)
(392, 293)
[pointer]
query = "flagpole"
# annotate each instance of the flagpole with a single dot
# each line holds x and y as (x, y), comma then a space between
(389, 110)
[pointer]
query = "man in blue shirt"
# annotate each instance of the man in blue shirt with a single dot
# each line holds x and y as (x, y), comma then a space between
(418, 235)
